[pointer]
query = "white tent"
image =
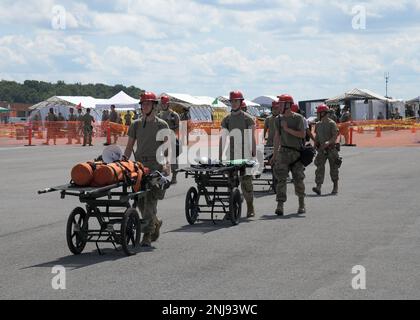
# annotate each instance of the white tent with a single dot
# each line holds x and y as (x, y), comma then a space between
(358, 94)
(121, 101)
(265, 100)
(366, 104)
(62, 104)
(200, 107)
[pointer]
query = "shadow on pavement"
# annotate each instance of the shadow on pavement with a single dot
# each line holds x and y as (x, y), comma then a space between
(87, 259)
(286, 217)
(206, 226)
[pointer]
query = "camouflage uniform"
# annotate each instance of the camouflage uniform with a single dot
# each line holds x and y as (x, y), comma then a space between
(241, 121)
(51, 124)
(87, 121)
(287, 158)
(270, 126)
(325, 131)
(71, 128)
(172, 119)
(147, 147)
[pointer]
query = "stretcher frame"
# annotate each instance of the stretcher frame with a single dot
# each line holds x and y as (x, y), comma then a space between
(217, 192)
(111, 206)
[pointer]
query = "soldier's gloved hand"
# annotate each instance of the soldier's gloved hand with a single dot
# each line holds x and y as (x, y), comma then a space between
(167, 170)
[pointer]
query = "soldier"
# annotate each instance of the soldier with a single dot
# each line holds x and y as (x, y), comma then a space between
(71, 127)
(87, 120)
(113, 119)
(144, 131)
(270, 124)
(242, 121)
(172, 119)
(345, 124)
(326, 132)
(51, 124)
(79, 124)
(290, 132)
(309, 134)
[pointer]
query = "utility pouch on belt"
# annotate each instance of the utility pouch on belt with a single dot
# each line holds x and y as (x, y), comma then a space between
(338, 147)
(339, 162)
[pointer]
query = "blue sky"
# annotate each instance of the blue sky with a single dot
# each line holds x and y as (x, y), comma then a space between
(308, 48)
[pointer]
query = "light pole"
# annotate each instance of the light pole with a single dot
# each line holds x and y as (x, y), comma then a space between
(386, 76)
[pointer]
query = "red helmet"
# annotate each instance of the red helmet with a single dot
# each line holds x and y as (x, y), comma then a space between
(286, 98)
(295, 108)
(275, 104)
(322, 108)
(148, 96)
(164, 99)
(236, 95)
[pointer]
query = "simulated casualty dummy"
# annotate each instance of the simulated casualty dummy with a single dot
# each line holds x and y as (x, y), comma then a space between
(144, 132)
(240, 123)
(288, 141)
(326, 133)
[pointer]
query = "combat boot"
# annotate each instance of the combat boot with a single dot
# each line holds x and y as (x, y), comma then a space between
(317, 189)
(335, 189)
(251, 210)
(302, 208)
(280, 209)
(174, 179)
(155, 235)
(147, 241)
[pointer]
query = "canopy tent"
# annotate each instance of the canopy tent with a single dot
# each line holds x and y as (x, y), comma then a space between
(414, 101)
(200, 108)
(62, 104)
(4, 110)
(265, 100)
(121, 101)
(366, 104)
(357, 94)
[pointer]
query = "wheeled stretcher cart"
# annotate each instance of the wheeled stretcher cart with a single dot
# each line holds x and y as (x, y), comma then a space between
(217, 192)
(113, 207)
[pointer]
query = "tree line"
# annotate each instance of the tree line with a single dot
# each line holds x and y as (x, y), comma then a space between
(32, 91)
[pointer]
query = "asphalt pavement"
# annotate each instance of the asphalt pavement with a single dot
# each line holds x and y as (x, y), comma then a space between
(373, 222)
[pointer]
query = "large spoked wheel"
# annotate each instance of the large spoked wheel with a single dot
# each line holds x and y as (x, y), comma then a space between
(77, 225)
(191, 206)
(130, 232)
(235, 206)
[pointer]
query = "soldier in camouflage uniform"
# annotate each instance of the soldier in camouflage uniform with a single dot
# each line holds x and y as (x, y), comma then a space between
(87, 121)
(71, 127)
(172, 119)
(51, 124)
(242, 121)
(288, 142)
(326, 132)
(270, 124)
(144, 132)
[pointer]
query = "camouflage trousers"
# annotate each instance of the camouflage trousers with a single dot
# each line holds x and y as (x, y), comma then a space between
(148, 203)
(282, 167)
(320, 161)
(247, 188)
(87, 135)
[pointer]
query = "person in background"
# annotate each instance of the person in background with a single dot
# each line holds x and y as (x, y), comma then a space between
(113, 119)
(71, 127)
(88, 121)
(381, 116)
(51, 124)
